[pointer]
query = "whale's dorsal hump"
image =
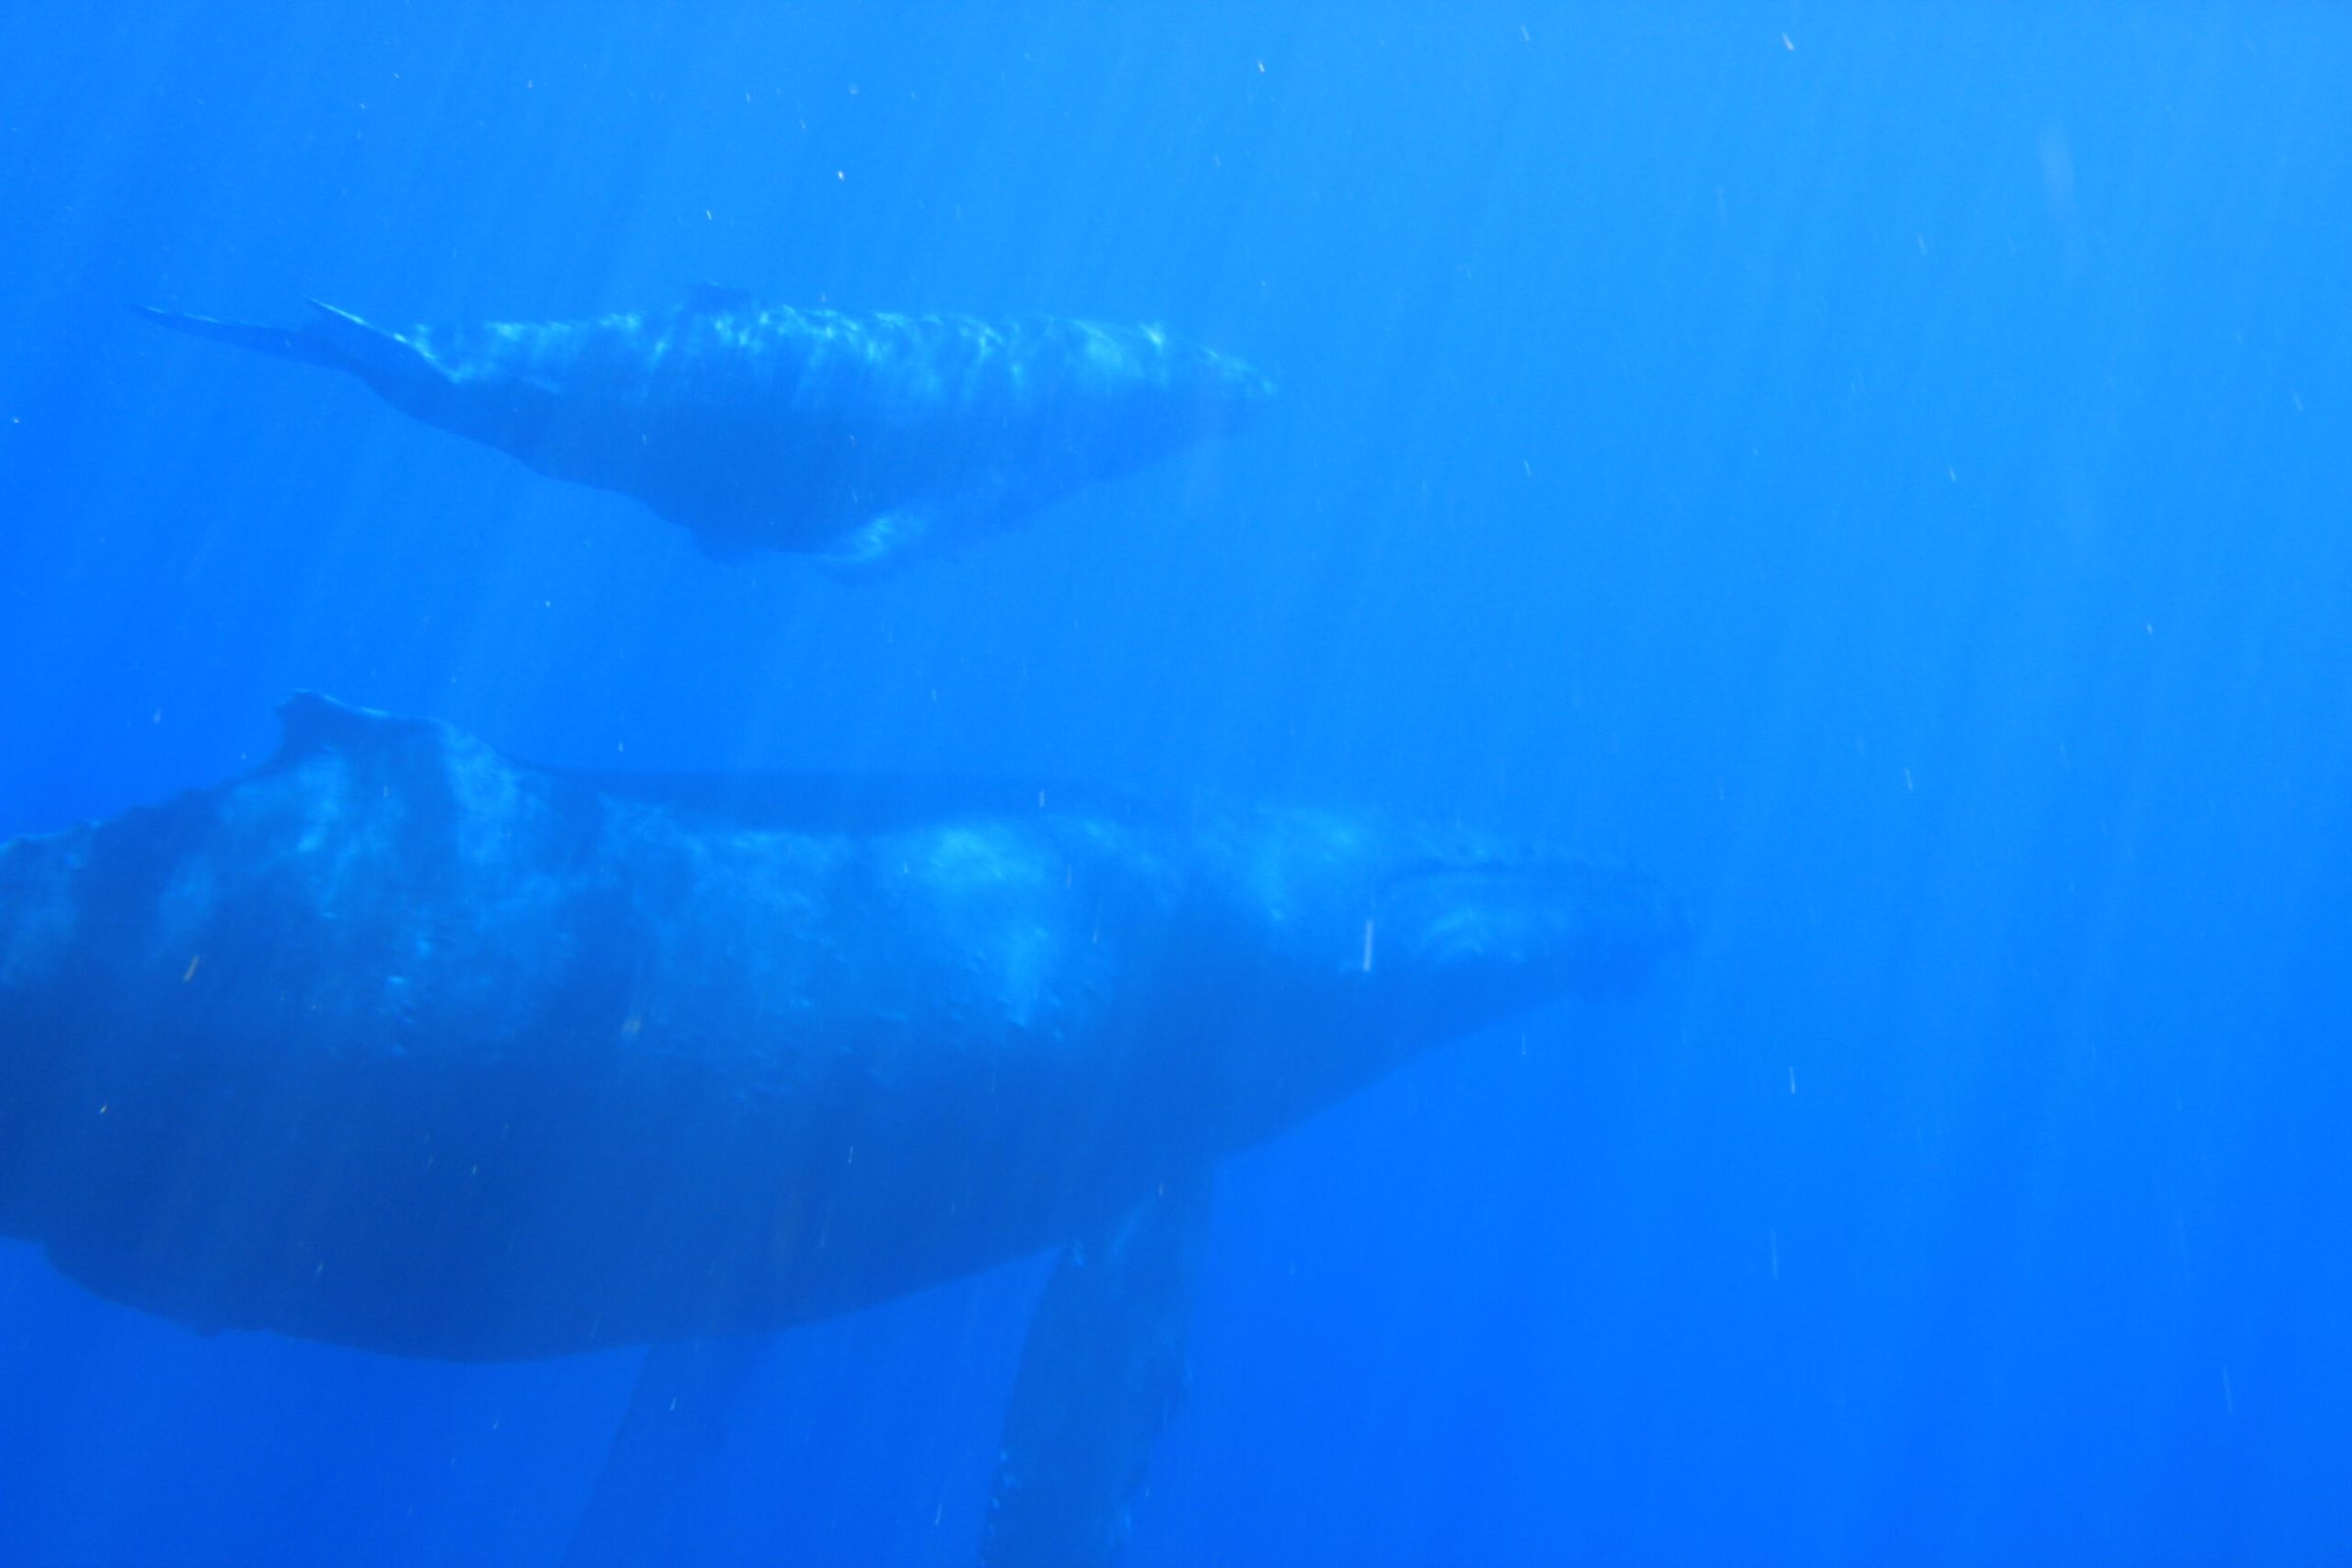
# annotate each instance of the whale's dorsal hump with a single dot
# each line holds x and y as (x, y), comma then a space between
(311, 724)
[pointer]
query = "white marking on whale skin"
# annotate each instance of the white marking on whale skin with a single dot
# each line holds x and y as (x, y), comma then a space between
(984, 891)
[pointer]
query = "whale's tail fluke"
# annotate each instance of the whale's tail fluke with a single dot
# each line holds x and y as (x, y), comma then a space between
(287, 342)
(395, 367)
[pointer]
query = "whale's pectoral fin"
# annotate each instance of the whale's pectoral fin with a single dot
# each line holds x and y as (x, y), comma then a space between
(685, 1392)
(878, 543)
(1101, 1373)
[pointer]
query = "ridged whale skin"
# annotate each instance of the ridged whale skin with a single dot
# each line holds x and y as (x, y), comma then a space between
(860, 440)
(398, 1043)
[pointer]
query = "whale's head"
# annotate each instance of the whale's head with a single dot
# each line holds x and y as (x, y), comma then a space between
(1365, 943)
(1124, 395)
(1482, 935)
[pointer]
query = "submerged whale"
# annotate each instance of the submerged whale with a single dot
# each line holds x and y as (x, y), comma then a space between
(398, 1043)
(860, 440)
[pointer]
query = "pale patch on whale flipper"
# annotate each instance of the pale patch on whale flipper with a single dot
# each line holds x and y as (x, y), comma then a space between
(1102, 1372)
(877, 544)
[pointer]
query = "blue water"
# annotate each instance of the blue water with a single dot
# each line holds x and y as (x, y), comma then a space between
(1886, 471)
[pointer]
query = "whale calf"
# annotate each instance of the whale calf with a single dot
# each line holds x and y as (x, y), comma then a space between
(399, 1043)
(860, 440)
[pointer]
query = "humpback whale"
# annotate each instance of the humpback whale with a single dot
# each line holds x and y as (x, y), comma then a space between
(399, 1043)
(860, 440)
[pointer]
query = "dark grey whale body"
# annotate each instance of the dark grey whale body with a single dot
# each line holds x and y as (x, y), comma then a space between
(398, 1043)
(856, 439)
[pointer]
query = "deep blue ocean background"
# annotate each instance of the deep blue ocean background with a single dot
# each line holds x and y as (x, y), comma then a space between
(1884, 469)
